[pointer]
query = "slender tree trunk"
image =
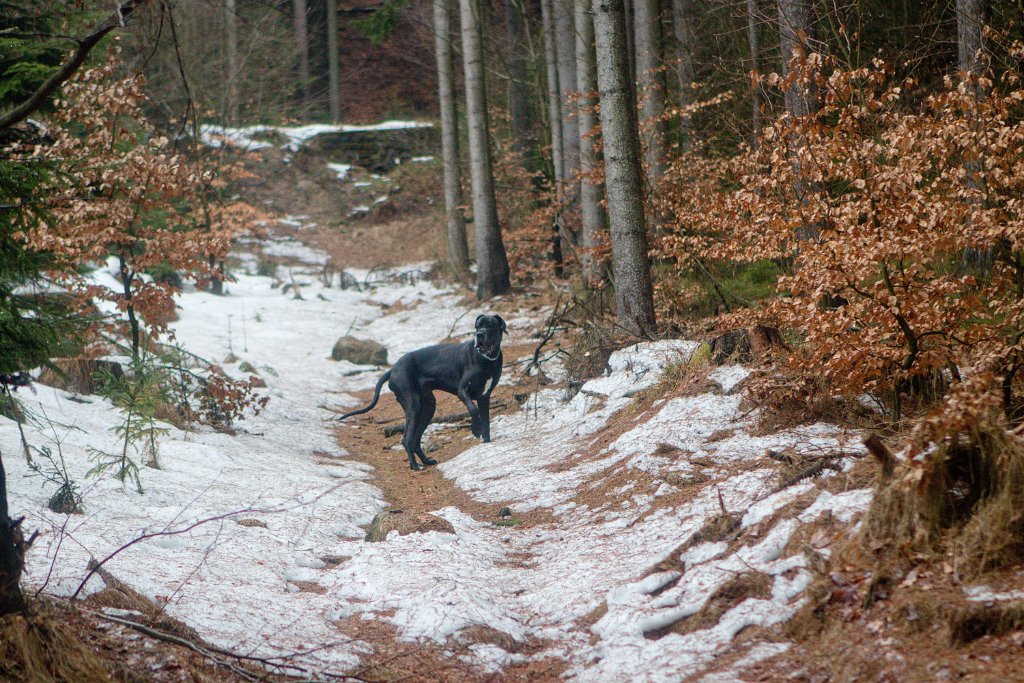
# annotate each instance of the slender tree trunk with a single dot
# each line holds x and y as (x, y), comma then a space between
(624, 177)
(592, 217)
(555, 106)
(753, 44)
(970, 20)
(492, 266)
(683, 25)
(554, 99)
(565, 37)
(518, 80)
(794, 33)
(333, 67)
(458, 250)
(794, 37)
(231, 48)
(630, 35)
(11, 560)
(651, 78)
(300, 31)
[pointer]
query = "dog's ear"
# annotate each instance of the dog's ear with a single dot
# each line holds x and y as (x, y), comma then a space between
(479, 319)
(504, 327)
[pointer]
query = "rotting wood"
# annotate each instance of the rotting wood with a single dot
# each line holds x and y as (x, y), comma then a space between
(882, 453)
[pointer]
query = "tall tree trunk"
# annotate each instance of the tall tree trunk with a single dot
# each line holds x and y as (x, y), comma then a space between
(458, 249)
(592, 217)
(333, 67)
(555, 106)
(683, 24)
(970, 20)
(753, 44)
(794, 37)
(651, 78)
(630, 35)
(624, 178)
(300, 32)
(492, 266)
(565, 37)
(518, 80)
(554, 99)
(11, 559)
(231, 48)
(794, 34)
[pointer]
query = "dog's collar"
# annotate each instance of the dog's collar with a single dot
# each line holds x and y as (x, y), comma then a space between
(495, 357)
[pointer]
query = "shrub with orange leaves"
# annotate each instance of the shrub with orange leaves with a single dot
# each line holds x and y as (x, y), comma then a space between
(869, 205)
(125, 194)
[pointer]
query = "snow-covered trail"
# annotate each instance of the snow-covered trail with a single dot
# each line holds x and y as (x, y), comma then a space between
(279, 582)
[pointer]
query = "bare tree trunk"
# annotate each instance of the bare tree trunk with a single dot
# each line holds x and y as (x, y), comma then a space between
(682, 23)
(794, 33)
(651, 78)
(518, 79)
(458, 249)
(231, 48)
(970, 20)
(565, 38)
(753, 44)
(333, 67)
(630, 35)
(11, 560)
(300, 31)
(592, 217)
(794, 37)
(492, 266)
(554, 99)
(624, 177)
(555, 106)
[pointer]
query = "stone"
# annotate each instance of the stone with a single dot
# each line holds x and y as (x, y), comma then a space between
(401, 523)
(359, 351)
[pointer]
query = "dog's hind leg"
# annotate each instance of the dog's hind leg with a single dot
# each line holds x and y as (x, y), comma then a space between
(409, 399)
(428, 406)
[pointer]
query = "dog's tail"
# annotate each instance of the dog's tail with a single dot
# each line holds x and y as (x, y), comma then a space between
(376, 395)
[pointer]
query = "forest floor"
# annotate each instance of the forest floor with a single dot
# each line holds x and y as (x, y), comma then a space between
(641, 524)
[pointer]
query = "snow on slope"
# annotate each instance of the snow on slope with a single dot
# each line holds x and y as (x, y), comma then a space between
(249, 588)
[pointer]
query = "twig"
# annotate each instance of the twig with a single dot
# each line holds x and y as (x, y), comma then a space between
(209, 652)
(184, 530)
(85, 45)
(451, 330)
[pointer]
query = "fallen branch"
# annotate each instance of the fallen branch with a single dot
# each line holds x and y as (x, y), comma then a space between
(447, 419)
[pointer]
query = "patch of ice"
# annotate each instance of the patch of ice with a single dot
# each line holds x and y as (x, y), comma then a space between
(843, 506)
(635, 368)
(340, 170)
(987, 594)
(728, 377)
(766, 507)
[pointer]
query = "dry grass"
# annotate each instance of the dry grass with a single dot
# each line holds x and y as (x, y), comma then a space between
(965, 499)
(40, 647)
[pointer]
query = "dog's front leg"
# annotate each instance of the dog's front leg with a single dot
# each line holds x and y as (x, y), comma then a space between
(474, 412)
(485, 417)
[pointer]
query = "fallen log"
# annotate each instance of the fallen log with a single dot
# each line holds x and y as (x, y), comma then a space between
(447, 419)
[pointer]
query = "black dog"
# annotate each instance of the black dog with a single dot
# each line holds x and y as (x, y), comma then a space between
(469, 370)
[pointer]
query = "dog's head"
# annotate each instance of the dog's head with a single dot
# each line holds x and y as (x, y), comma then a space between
(489, 329)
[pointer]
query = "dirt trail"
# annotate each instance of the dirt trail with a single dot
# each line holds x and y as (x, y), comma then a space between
(420, 493)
